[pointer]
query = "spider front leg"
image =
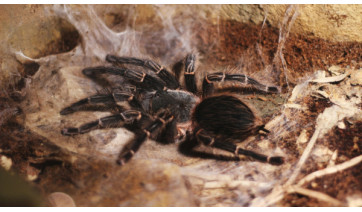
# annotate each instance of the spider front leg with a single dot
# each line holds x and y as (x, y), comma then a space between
(161, 72)
(189, 73)
(155, 127)
(98, 101)
(139, 77)
(203, 137)
(208, 83)
(118, 120)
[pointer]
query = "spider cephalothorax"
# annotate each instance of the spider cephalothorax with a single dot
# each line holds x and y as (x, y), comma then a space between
(158, 107)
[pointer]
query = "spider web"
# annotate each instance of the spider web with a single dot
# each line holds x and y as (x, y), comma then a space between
(211, 182)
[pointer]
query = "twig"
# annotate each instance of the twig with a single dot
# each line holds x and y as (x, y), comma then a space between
(330, 79)
(315, 194)
(304, 157)
(331, 170)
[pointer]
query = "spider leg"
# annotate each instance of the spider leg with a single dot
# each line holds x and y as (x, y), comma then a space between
(208, 140)
(162, 72)
(187, 147)
(208, 83)
(169, 134)
(153, 128)
(117, 120)
(140, 77)
(189, 73)
(103, 99)
(262, 128)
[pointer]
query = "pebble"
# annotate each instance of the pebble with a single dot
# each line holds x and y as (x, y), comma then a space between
(60, 199)
(6, 162)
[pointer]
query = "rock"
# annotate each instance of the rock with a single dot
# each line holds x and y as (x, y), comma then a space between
(151, 183)
(50, 92)
(138, 183)
(46, 36)
(356, 77)
(60, 199)
(29, 29)
(5, 162)
(337, 23)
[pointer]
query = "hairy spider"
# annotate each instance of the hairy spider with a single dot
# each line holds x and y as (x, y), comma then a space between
(158, 107)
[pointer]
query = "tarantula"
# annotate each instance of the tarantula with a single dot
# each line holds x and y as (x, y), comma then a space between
(158, 107)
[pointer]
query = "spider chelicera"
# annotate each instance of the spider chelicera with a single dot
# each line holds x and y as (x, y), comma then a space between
(157, 107)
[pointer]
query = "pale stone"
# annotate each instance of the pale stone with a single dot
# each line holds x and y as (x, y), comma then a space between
(46, 98)
(6, 162)
(60, 199)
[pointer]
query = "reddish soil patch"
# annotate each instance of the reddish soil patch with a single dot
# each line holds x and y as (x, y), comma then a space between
(226, 43)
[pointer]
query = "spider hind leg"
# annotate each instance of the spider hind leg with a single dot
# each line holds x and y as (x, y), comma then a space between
(208, 83)
(204, 138)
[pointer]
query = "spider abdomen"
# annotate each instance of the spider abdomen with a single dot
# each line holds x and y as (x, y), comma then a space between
(225, 115)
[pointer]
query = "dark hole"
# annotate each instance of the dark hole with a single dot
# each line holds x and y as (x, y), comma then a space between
(69, 37)
(31, 68)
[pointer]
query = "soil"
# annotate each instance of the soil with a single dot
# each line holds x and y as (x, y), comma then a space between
(303, 55)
